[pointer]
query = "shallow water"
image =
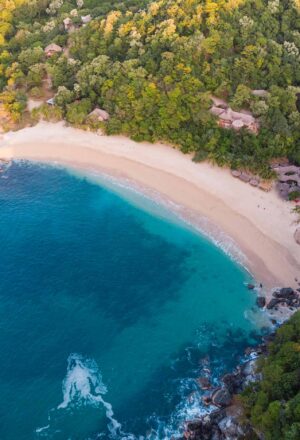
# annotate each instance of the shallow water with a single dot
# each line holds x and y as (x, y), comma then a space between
(108, 312)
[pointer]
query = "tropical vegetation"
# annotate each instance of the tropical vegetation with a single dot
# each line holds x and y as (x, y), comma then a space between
(273, 404)
(154, 67)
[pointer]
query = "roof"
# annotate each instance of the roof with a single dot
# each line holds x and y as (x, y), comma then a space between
(218, 102)
(86, 18)
(247, 119)
(260, 92)
(238, 123)
(99, 113)
(53, 48)
(217, 111)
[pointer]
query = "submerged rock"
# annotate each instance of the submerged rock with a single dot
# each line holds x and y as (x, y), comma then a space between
(261, 301)
(204, 383)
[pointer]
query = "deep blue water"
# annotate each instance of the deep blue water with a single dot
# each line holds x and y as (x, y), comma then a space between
(107, 312)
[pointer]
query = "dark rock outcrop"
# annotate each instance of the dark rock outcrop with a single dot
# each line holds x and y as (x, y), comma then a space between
(221, 397)
(285, 293)
(230, 381)
(261, 301)
(204, 383)
(273, 303)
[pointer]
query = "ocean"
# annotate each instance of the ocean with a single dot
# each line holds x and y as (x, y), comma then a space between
(110, 308)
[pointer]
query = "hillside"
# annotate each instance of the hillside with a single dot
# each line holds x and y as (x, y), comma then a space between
(154, 70)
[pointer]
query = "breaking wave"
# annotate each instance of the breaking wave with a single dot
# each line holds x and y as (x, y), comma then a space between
(83, 386)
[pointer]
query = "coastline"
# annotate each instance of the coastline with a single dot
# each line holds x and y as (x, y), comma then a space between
(261, 224)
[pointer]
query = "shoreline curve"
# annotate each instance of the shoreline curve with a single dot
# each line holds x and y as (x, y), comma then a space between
(261, 224)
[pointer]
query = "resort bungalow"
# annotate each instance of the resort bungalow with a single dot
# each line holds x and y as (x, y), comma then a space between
(219, 103)
(99, 115)
(52, 49)
(260, 93)
(231, 119)
(68, 24)
(86, 19)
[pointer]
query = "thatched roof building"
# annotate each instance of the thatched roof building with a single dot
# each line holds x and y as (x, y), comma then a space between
(51, 49)
(99, 114)
(86, 18)
(260, 93)
(228, 118)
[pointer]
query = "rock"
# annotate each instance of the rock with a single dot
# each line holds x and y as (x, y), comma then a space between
(274, 302)
(249, 372)
(245, 177)
(205, 428)
(261, 301)
(254, 182)
(297, 235)
(236, 173)
(233, 382)
(249, 368)
(221, 397)
(204, 383)
(218, 415)
(250, 350)
(285, 293)
(230, 428)
(206, 400)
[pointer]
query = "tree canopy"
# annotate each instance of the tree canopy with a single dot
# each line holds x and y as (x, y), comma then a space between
(154, 67)
(273, 404)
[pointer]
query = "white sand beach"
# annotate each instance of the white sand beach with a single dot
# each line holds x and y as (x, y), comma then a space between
(260, 223)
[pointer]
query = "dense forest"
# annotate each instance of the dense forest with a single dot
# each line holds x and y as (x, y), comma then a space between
(273, 404)
(153, 66)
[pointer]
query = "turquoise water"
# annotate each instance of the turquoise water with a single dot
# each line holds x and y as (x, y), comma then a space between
(107, 312)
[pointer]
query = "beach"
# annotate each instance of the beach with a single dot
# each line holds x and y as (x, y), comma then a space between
(261, 224)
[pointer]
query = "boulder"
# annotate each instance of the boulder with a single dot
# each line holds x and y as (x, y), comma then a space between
(248, 369)
(297, 235)
(233, 382)
(204, 382)
(285, 293)
(230, 428)
(236, 173)
(221, 397)
(206, 400)
(273, 303)
(245, 177)
(254, 182)
(205, 428)
(261, 301)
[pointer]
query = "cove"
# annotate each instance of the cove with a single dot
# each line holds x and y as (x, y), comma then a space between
(108, 312)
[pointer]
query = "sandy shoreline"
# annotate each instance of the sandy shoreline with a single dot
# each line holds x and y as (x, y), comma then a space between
(260, 223)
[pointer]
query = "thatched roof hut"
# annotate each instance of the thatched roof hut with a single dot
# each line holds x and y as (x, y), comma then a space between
(261, 93)
(51, 49)
(218, 102)
(86, 18)
(99, 114)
